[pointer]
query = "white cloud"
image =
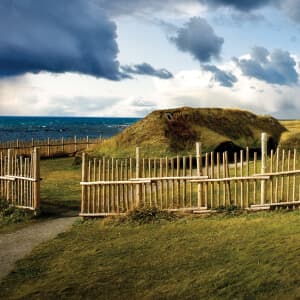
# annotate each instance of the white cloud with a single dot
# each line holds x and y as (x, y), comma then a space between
(197, 88)
(73, 94)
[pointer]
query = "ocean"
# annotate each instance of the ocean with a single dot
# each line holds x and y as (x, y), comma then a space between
(26, 128)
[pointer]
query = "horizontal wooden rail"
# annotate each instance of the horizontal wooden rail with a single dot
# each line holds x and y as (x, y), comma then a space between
(13, 177)
(293, 172)
(47, 145)
(115, 182)
(171, 178)
(262, 177)
(23, 207)
(269, 205)
(7, 178)
(91, 214)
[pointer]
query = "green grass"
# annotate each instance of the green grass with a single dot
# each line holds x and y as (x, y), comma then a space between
(291, 138)
(242, 257)
(60, 187)
(175, 131)
(12, 218)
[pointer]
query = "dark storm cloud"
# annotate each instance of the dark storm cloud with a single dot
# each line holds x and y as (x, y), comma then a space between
(121, 7)
(141, 7)
(199, 39)
(226, 79)
(57, 36)
(290, 7)
(277, 67)
(144, 7)
(242, 5)
(146, 69)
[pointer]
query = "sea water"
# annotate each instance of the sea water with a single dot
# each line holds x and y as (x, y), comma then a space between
(38, 128)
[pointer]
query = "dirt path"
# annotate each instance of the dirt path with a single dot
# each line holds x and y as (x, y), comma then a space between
(16, 245)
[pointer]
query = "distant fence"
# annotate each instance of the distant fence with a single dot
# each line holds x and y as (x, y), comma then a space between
(115, 186)
(50, 147)
(20, 179)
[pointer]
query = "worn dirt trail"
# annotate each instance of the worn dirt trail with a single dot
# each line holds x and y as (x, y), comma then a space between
(16, 245)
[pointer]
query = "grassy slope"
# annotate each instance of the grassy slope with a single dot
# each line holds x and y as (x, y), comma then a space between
(245, 257)
(157, 135)
(291, 138)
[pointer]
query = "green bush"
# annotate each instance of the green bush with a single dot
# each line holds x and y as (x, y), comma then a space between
(230, 210)
(149, 215)
(10, 214)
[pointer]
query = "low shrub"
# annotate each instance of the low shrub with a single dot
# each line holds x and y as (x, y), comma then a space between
(230, 210)
(149, 215)
(10, 214)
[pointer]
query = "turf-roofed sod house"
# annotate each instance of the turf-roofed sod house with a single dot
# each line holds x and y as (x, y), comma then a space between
(175, 132)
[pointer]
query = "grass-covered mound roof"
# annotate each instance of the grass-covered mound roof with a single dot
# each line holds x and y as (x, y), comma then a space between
(175, 131)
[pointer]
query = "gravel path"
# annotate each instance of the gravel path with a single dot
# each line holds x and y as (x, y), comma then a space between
(16, 245)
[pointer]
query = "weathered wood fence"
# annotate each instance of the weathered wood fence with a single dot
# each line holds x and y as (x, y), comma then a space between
(115, 186)
(20, 179)
(50, 147)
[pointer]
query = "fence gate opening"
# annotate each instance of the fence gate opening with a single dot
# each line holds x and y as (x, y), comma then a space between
(20, 179)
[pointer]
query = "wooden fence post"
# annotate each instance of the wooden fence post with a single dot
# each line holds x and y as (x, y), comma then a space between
(9, 172)
(17, 146)
(84, 178)
(75, 143)
(48, 147)
(263, 166)
(137, 175)
(199, 171)
(87, 142)
(36, 176)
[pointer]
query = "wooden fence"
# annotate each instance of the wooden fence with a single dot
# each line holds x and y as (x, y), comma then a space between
(20, 179)
(197, 184)
(50, 147)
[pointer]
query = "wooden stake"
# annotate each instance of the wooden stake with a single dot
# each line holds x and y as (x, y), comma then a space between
(84, 178)
(241, 174)
(137, 175)
(276, 179)
(184, 182)
(288, 177)
(206, 184)
(190, 173)
(212, 175)
(282, 177)
(218, 176)
(294, 177)
(235, 174)
(255, 172)
(247, 174)
(271, 181)
(199, 171)
(263, 167)
(36, 176)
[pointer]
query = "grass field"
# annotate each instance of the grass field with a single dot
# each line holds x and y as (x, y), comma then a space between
(247, 256)
(242, 257)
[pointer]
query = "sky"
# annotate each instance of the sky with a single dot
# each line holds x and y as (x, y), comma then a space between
(126, 58)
